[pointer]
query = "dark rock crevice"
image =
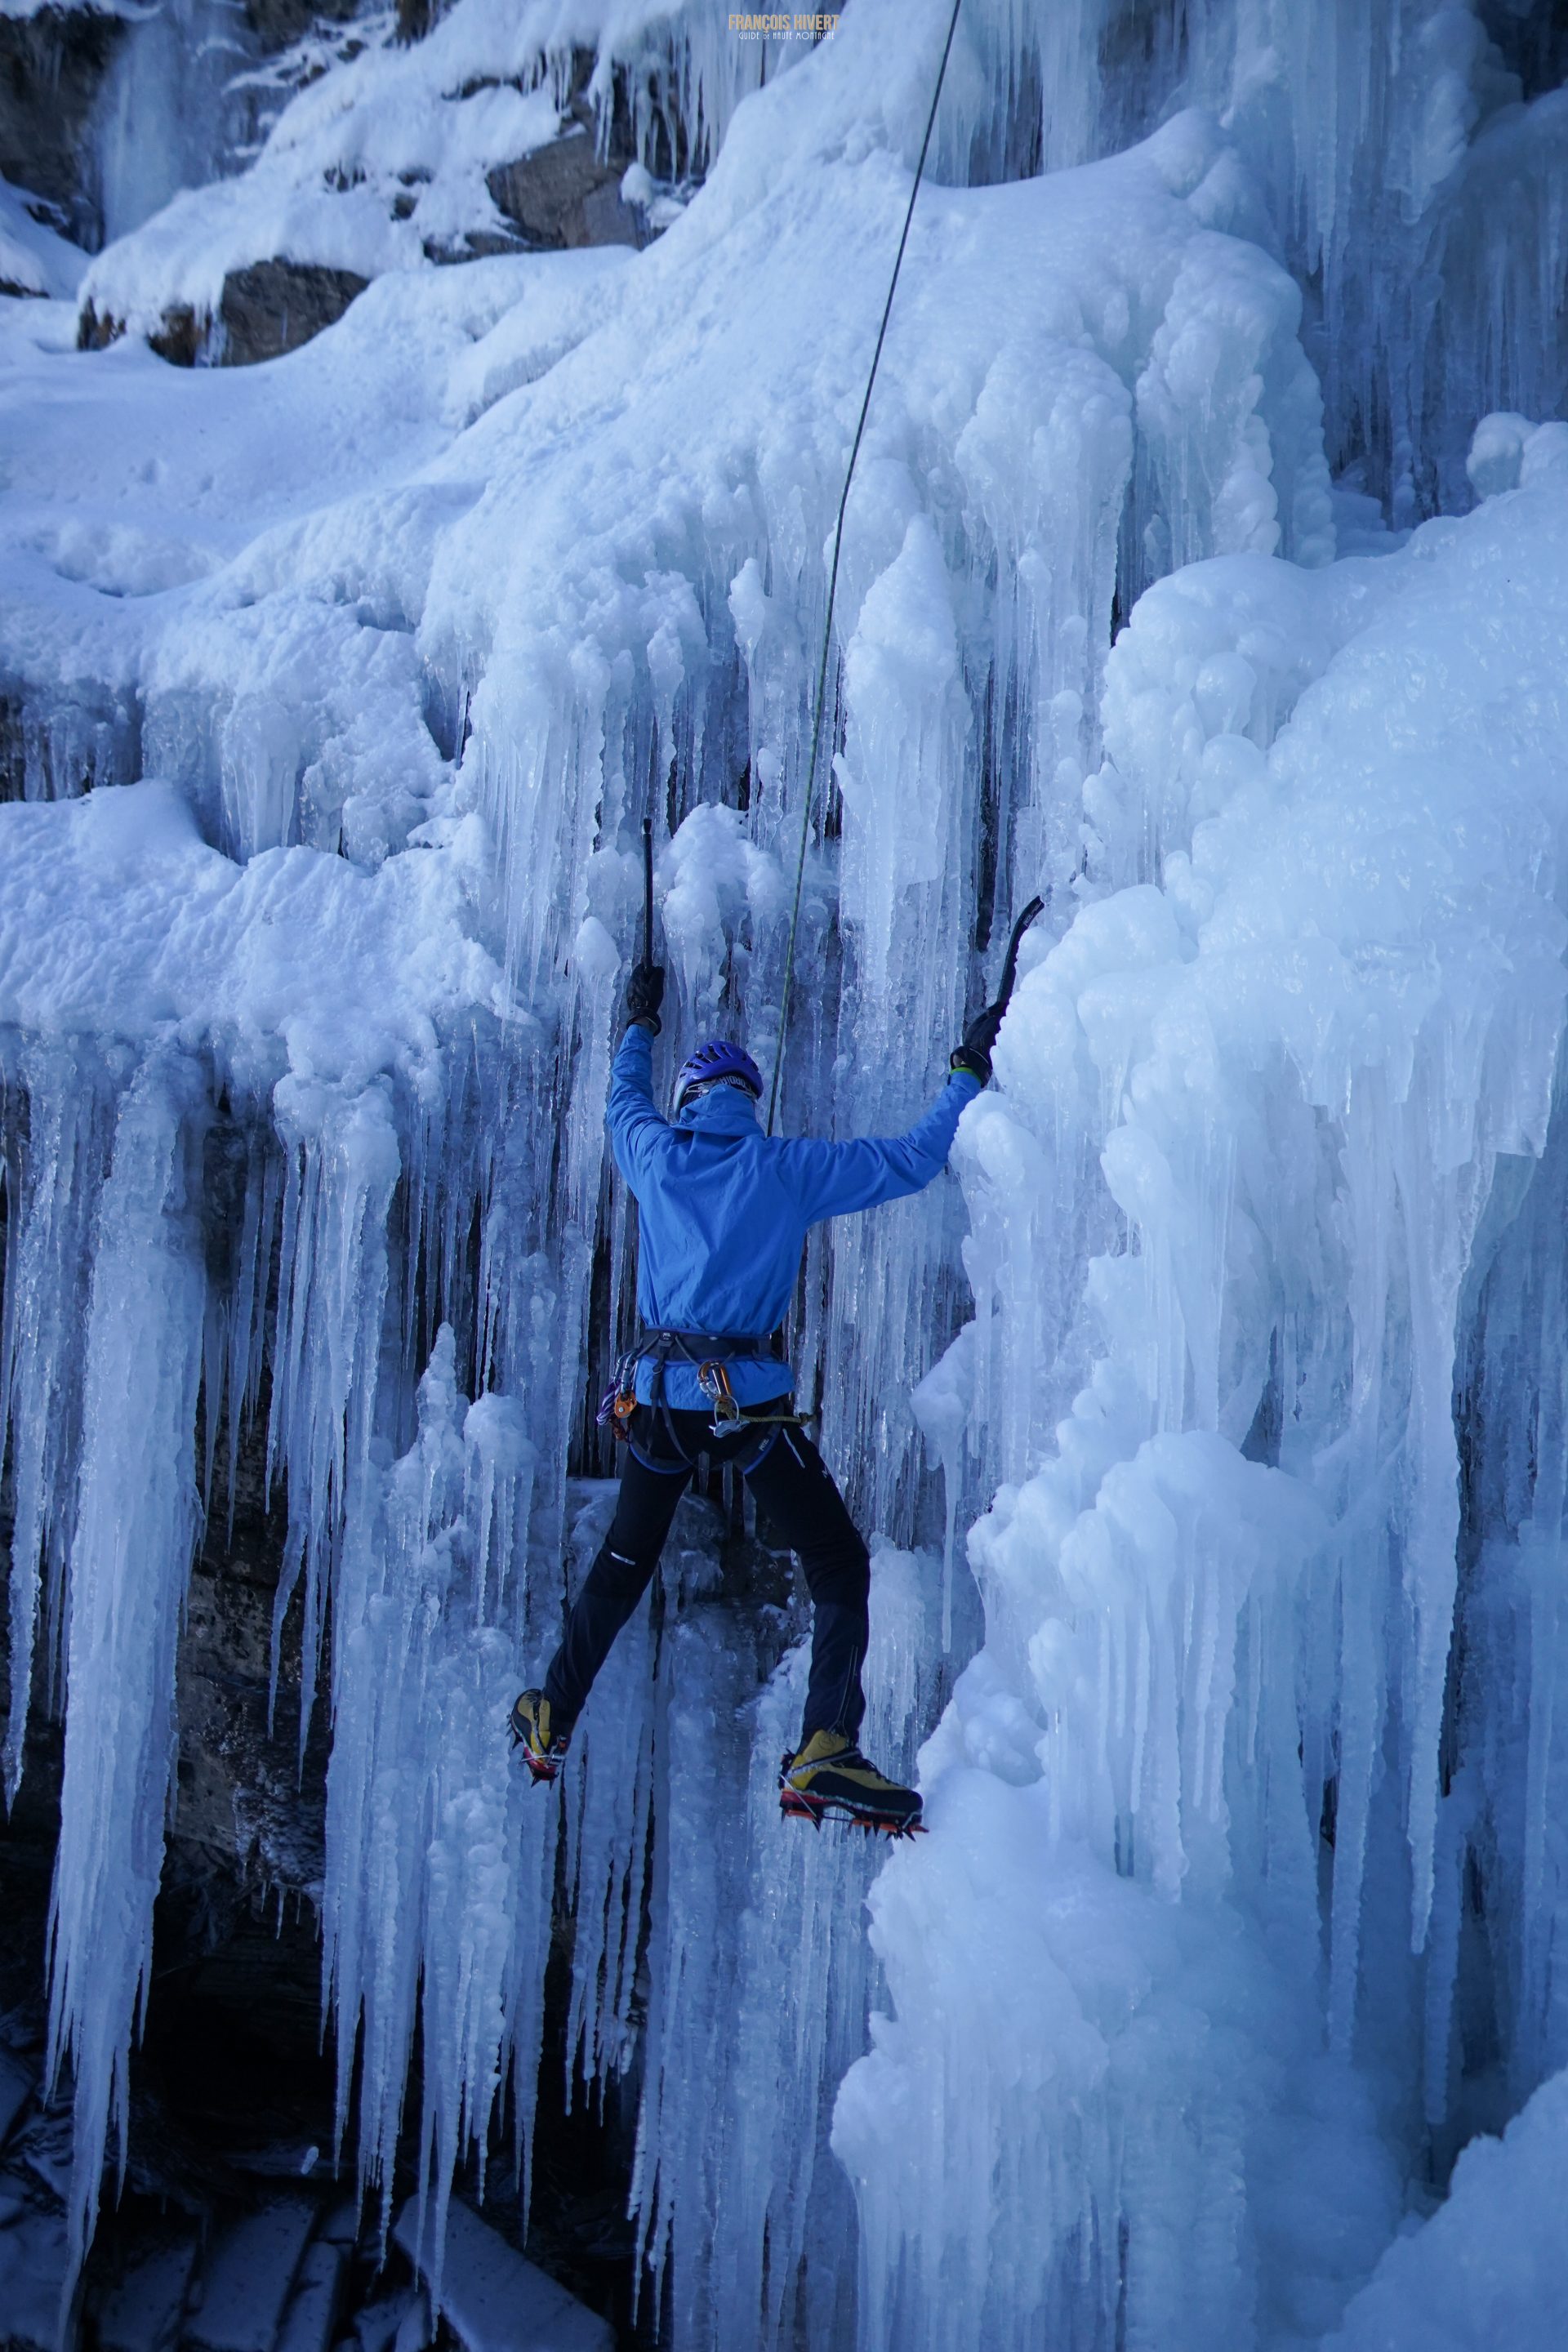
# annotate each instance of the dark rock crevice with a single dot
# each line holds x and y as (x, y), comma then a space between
(232, 2080)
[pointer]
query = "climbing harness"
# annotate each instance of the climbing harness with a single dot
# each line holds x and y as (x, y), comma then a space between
(709, 1353)
(730, 1414)
(833, 578)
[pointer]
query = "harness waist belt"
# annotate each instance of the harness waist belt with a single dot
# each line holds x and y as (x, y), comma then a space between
(708, 1347)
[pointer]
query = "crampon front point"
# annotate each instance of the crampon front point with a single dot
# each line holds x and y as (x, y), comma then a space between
(816, 1810)
(544, 1747)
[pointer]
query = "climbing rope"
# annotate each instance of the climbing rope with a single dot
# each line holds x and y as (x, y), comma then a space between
(833, 578)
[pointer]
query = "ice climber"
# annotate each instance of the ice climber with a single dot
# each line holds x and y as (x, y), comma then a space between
(723, 1213)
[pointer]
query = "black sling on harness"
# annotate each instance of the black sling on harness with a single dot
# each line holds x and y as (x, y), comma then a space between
(708, 1353)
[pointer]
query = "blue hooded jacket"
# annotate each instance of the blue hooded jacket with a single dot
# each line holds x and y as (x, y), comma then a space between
(723, 1209)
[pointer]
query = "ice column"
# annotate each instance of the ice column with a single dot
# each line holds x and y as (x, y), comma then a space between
(343, 1164)
(760, 1983)
(438, 1869)
(136, 1524)
(52, 1187)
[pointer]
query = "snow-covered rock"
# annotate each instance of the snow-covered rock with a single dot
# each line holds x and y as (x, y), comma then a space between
(249, 2277)
(34, 258)
(312, 2316)
(145, 2311)
(504, 127)
(492, 2298)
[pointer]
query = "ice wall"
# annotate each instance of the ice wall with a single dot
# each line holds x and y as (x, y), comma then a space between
(388, 648)
(1220, 1615)
(1411, 191)
(1413, 194)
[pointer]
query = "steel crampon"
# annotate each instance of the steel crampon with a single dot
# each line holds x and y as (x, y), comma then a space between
(801, 1804)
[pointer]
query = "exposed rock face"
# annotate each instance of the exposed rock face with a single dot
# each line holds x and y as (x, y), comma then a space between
(51, 68)
(267, 309)
(415, 19)
(564, 194)
(95, 332)
(180, 339)
(279, 24)
(274, 306)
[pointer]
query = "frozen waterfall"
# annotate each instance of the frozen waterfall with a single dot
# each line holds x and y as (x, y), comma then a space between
(1202, 571)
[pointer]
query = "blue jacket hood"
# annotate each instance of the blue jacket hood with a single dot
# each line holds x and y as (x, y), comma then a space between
(724, 1110)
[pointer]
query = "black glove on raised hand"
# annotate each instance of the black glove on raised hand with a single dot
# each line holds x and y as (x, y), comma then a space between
(644, 994)
(974, 1054)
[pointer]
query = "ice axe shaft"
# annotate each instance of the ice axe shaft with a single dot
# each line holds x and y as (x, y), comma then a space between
(647, 890)
(1010, 968)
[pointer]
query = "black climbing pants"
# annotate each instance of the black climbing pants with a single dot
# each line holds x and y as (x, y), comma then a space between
(795, 1488)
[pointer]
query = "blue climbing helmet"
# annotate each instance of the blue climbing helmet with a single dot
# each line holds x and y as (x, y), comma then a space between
(718, 1059)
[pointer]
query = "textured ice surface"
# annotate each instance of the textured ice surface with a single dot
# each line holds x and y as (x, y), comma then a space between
(759, 1980)
(334, 692)
(1487, 2268)
(1298, 1060)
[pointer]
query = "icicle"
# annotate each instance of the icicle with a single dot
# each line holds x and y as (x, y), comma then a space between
(942, 1405)
(131, 1551)
(436, 1895)
(747, 2035)
(52, 1187)
(343, 1164)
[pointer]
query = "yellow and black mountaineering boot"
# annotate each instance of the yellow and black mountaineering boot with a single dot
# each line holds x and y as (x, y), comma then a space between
(543, 1742)
(831, 1775)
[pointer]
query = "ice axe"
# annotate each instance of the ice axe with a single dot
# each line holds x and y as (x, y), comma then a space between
(648, 891)
(1010, 967)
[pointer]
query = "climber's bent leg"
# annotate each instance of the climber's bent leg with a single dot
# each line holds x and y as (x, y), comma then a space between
(613, 1585)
